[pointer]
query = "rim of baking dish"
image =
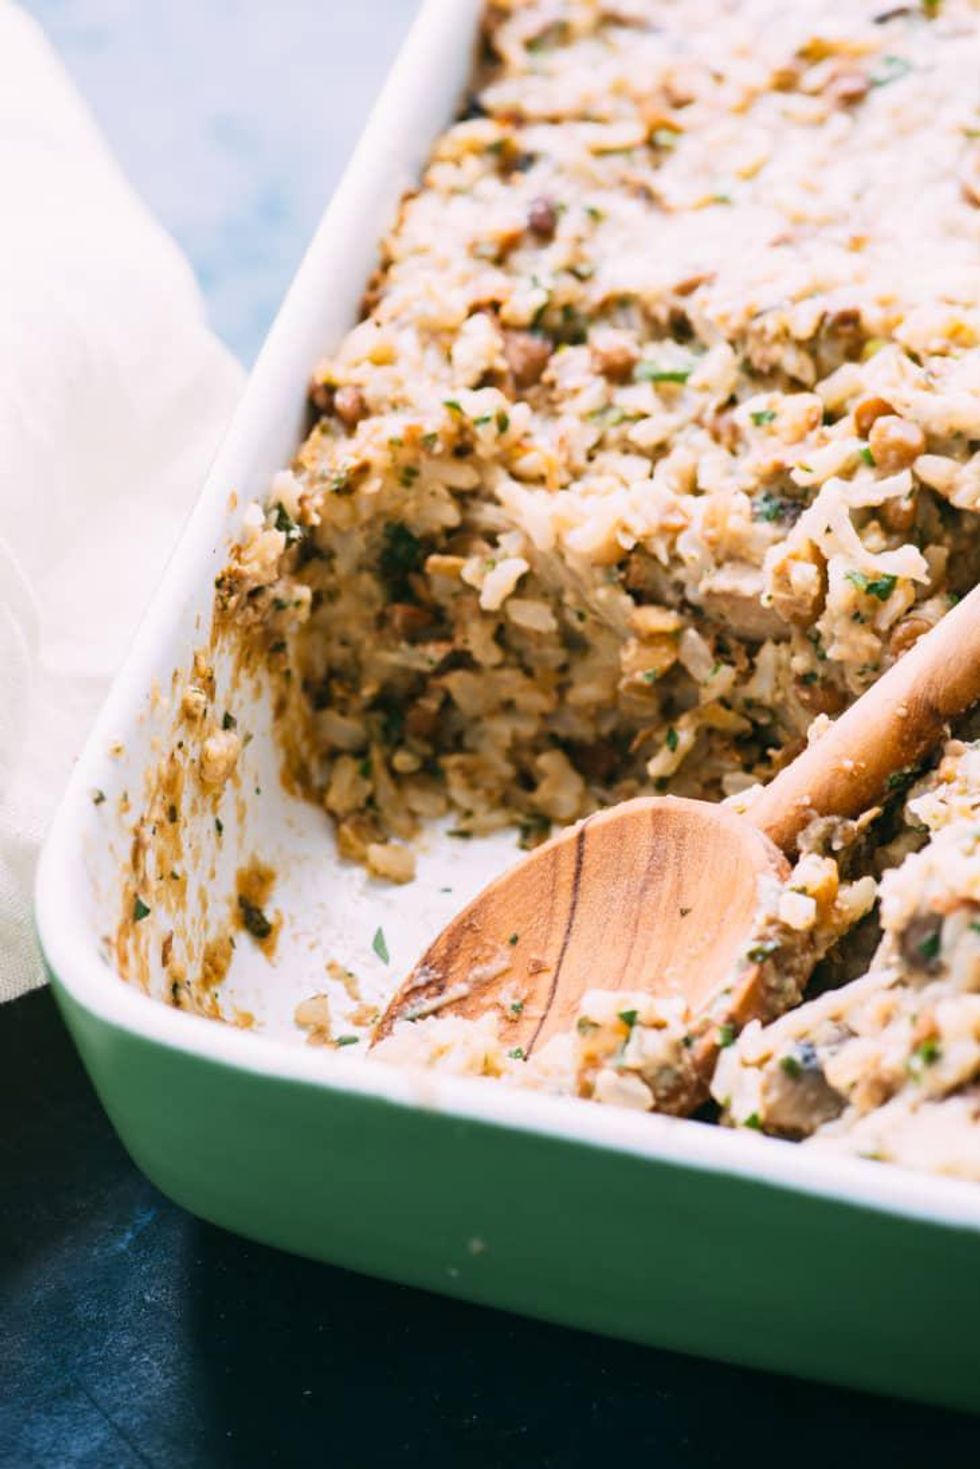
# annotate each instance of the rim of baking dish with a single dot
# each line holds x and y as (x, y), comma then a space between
(64, 930)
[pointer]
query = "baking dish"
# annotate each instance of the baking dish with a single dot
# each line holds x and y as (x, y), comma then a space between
(657, 1230)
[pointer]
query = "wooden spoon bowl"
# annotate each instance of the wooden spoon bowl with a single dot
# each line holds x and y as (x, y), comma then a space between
(630, 898)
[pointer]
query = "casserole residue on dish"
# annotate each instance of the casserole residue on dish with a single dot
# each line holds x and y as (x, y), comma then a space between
(655, 446)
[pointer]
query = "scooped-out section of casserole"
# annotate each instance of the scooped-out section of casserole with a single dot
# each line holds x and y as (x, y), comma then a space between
(657, 443)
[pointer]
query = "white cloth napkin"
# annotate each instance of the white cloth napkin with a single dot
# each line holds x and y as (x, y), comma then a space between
(113, 395)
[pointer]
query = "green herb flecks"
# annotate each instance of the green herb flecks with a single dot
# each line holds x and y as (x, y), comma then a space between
(770, 507)
(762, 416)
(533, 831)
(380, 946)
(286, 524)
(517, 1054)
(672, 739)
(401, 555)
(347, 1040)
(925, 1054)
(726, 1036)
(651, 372)
(140, 909)
(889, 69)
(254, 920)
(880, 587)
(791, 1067)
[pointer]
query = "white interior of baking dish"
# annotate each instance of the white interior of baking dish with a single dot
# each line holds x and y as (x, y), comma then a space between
(331, 909)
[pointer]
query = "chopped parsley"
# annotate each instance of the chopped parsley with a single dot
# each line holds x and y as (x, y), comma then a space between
(649, 372)
(650, 675)
(513, 938)
(380, 946)
(453, 405)
(726, 1035)
(866, 454)
(753, 1121)
(502, 421)
(253, 919)
(672, 739)
(347, 1040)
(762, 416)
(928, 947)
(628, 1017)
(401, 554)
(98, 797)
(533, 830)
(140, 909)
(880, 587)
(228, 721)
(791, 1066)
(762, 951)
(584, 1026)
(517, 1054)
(517, 1007)
(611, 415)
(286, 524)
(769, 507)
(926, 1054)
(890, 69)
(219, 826)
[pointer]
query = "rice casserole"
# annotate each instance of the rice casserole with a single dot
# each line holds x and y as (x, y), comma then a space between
(657, 443)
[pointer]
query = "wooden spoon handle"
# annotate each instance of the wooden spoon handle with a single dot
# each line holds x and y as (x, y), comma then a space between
(890, 728)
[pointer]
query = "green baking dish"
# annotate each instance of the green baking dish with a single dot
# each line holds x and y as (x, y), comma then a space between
(649, 1228)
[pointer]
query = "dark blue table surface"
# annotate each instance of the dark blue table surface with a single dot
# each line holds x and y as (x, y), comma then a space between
(131, 1333)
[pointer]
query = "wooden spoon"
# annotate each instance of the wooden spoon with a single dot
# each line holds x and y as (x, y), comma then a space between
(660, 893)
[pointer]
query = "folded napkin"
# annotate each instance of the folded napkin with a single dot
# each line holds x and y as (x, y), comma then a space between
(113, 395)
